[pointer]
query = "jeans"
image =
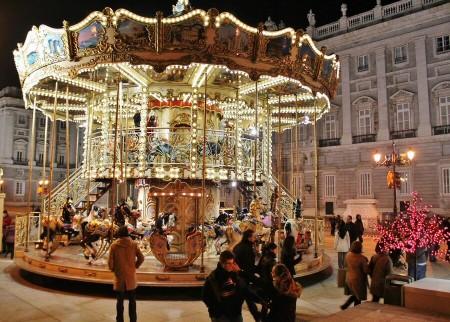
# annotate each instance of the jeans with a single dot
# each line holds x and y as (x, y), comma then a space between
(341, 259)
(131, 296)
(228, 319)
(419, 270)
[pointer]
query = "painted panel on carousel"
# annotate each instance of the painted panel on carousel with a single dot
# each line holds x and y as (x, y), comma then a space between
(278, 47)
(232, 39)
(89, 37)
(53, 44)
(134, 34)
(327, 69)
(188, 34)
(307, 56)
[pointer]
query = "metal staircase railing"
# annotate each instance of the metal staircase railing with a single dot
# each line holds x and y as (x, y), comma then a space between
(77, 184)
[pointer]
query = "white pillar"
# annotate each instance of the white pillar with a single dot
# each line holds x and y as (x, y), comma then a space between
(383, 121)
(424, 128)
(7, 132)
(346, 104)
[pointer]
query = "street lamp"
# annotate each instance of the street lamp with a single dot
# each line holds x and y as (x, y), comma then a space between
(394, 159)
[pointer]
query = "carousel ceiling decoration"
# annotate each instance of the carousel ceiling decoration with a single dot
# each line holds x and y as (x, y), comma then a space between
(170, 57)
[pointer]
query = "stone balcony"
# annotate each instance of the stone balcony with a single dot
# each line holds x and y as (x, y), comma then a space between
(378, 14)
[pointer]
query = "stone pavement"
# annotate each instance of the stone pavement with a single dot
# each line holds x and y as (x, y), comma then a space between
(24, 297)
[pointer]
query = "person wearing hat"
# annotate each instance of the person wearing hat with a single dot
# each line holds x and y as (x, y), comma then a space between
(124, 258)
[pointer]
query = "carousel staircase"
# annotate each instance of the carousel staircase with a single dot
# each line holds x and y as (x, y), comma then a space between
(265, 189)
(78, 184)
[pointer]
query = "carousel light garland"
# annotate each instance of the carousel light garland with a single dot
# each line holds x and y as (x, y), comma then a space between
(142, 134)
(62, 95)
(194, 137)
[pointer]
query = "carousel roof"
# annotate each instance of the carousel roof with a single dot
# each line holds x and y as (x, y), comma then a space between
(171, 58)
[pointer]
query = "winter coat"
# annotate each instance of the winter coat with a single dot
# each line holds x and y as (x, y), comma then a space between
(356, 277)
(124, 257)
(266, 263)
(351, 228)
(244, 253)
(342, 245)
(223, 293)
(359, 228)
(380, 266)
(288, 259)
(10, 234)
(283, 304)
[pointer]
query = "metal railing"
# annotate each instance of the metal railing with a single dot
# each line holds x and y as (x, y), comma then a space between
(329, 142)
(171, 148)
(404, 134)
(24, 236)
(364, 138)
(441, 129)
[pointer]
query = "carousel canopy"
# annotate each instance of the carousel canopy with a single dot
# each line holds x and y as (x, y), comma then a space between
(161, 60)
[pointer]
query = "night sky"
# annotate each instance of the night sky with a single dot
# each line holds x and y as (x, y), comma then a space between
(18, 16)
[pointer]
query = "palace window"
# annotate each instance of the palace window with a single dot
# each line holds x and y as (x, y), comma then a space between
(330, 185)
(365, 184)
(403, 116)
(41, 157)
(363, 63)
(400, 54)
(62, 125)
(444, 110)
(364, 121)
(19, 188)
(330, 127)
(442, 44)
(19, 155)
(61, 159)
(22, 120)
(445, 179)
(42, 122)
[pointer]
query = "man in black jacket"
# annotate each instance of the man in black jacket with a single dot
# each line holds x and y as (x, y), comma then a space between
(351, 228)
(224, 292)
(245, 254)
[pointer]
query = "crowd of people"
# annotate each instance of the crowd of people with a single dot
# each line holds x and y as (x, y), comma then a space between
(244, 275)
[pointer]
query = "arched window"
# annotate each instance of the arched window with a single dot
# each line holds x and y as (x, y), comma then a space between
(401, 111)
(364, 116)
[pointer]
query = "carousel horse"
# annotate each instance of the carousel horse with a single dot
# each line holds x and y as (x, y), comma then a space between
(228, 235)
(52, 225)
(121, 213)
(161, 148)
(97, 230)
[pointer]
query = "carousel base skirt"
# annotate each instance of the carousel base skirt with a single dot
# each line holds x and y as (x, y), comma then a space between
(68, 263)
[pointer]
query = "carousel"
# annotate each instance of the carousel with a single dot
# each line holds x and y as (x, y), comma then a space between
(174, 113)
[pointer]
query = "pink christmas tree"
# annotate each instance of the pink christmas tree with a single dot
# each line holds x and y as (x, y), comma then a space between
(413, 229)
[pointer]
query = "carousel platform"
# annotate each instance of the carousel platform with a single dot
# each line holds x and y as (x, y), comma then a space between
(68, 263)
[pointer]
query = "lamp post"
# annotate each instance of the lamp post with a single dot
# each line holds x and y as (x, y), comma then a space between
(394, 159)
